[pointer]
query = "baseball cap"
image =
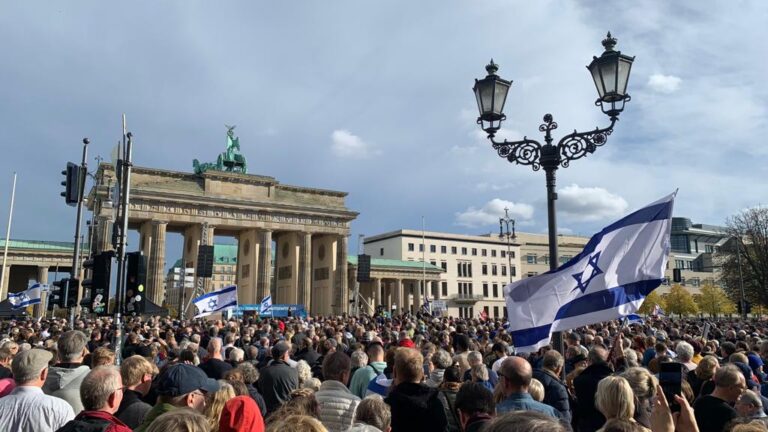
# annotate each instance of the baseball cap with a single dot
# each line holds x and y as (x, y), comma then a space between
(747, 372)
(30, 360)
(754, 361)
(181, 379)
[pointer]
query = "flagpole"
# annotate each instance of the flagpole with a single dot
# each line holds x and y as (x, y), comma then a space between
(8, 239)
(424, 266)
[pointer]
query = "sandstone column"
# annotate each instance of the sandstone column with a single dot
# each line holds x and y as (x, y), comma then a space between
(341, 289)
(42, 278)
(6, 282)
(376, 293)
(305, 270)
(417, 296)
(398, 296)
(264, 279)
(156, 263)
(103, 234)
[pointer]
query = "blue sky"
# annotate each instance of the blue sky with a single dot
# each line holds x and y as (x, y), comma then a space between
(374, 98)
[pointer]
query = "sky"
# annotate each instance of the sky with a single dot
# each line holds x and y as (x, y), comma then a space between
(375, 99)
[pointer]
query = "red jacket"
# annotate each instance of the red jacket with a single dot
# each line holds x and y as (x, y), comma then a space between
(96, 416)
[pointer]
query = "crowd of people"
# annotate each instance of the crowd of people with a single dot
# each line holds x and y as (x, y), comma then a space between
(374, 373)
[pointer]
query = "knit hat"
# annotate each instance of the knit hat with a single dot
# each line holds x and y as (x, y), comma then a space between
(241, 414)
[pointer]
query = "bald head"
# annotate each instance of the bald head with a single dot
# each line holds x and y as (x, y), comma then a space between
(517, 374)
(214, 348)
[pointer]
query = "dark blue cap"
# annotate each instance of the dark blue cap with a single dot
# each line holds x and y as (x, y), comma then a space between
(181, 379)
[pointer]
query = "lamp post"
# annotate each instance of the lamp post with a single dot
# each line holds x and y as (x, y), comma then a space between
(505, 222)
(610, 72)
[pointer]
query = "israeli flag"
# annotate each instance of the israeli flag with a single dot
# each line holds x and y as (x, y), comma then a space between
(609, 279)
(634, 319)
(266, 305)
(26, 298)
(216, 301)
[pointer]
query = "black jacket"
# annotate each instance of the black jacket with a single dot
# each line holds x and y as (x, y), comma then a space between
(258, 398)
(555, 393)
(132, 409)
(309, 355)
(585, 386)
(415, 407)
(276, 383)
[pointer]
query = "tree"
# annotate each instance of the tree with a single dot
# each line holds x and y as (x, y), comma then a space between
(680, 301)
(744, 257)
(714, 301)
(652, 300)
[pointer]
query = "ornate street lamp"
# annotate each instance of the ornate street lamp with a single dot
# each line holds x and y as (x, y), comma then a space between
(610, 72)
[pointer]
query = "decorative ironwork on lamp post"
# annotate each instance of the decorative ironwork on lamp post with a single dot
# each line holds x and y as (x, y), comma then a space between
(610, 72)
(506, 222)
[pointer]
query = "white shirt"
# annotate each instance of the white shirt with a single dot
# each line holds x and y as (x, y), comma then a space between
(28, 409)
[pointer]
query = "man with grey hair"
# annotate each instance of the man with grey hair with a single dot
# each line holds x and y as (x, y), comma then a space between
(555, 391)
(27, 408)
(65, 377)
(101, 392)
(440, 361)
(750, 406)
(684, 352)
(337, 403)
(372, 415)
(476, 358)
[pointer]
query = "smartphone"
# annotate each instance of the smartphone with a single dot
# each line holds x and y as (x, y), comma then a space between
(671, 379)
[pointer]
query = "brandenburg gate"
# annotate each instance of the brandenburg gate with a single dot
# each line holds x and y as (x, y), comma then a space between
(308, 229)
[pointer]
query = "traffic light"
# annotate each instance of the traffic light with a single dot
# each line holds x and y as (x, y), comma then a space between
(363, 268)
(136, 279)
(56, 295)
(72, 288)
(97, 298)
(71, 183)
(677, 277)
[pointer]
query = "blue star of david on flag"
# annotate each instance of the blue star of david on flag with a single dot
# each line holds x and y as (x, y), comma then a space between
(212, 303)
(582, 284)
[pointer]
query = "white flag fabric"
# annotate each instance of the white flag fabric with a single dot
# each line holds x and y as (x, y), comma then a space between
(609, 279)
(216, 301)
(26, 298)
(266, 305)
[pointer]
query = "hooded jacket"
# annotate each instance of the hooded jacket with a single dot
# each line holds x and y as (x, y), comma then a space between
(415, 407)
(64, 383)
(241, 414)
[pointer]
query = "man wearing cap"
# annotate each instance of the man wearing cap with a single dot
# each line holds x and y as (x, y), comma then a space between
(278, 380)
(27, 408)
(181, 385)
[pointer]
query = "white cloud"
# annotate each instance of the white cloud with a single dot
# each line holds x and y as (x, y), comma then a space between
(346, 145)
(583, 204)
(490, 213)
(665, 84)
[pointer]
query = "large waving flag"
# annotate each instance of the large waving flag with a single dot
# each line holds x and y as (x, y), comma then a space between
(26, 298)
(215, 301)
(609, 279)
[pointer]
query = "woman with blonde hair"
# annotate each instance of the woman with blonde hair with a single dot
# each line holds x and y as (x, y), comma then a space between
(703, 373)
(615, 399)
(643, 385)
(215, 402)
(536, 390)
(296, 423)
(180, 420)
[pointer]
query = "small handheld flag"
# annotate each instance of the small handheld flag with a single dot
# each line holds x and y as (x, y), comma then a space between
(266, 305)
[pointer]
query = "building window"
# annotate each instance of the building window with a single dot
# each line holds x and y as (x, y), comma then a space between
(496, 312)
(487, 312)
(443, 249)
(512, 271)
(680, 264)
(463, 251)
(495, 290)
(503, 253)
(493, 253)
(433, 262)
(381, 252)
(494, 270)
(432, 248)
(474, 251)
(532, 259)
(485, 290)
(410, 247)
(421, 248)
(453, 250)
(444, 289)
(505, 311)
(484, 252)
(512, 254)
(485, 269)
(444, 265)
(709, 248)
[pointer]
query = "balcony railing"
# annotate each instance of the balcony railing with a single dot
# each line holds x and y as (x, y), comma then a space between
(466, 298)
